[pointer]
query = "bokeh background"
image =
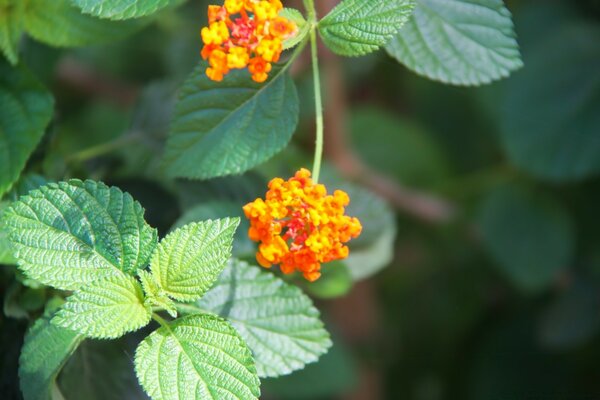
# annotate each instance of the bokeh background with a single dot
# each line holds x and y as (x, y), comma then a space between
(478, 276)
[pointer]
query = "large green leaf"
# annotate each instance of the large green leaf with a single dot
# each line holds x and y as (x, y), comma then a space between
(26, 110)
(529, 235)
(187, 261)
(224, 128)
(463, 42)
(46, 349)
(195, 358)
(358, 27)
(278, 322)
(120, 9)
(11, 28)
(550, 118)
(72, 233)
(60, 23)
(105, 309)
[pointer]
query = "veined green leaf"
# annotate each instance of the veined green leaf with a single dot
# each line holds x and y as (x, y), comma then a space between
(303, 27)
(105, 309)
(188, 260)
(155, 294)
(11, 28)
(72, 233)
(46, 349)
(463, 42)
(120, 9)
(228, 127)
(278, 322)
(358, 27)
(26, 110)
(195, 358)
(60, 23)
(6, 254)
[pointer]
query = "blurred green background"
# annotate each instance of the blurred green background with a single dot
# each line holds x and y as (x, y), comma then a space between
(491, 287)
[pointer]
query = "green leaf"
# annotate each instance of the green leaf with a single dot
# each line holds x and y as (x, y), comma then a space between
(550, 118)
(26, 110)
(224, 128)
(187, 261)
(335, 281)
(303, 27)
(11, 28)
(242, 245)
(6, 253)
(46, 349)
(73, 233)
(462, 42)
(105, 309)
(358, 27)
(529, 235)
(194, 358)
(59, 23)
(278, 322)
(155, 294)
(120, 9)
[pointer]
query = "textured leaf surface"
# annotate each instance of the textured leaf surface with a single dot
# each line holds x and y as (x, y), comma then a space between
(106, 308)
(550, 119)
(358, 27)
(6, 254)
(278, 322)
(529, 235)
(71, 233)
(47, 347)
(195, 358)
(60, 23)
(224, 128)
(463, 42)
(26, 110)
(188, 261)
(120, 9)
(11, 28)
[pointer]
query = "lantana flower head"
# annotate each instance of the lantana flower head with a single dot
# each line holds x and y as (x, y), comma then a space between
(245, 33)
(299, 226)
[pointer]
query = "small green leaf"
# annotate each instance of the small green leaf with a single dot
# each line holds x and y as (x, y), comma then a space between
(529, 235)
(278, 322)
(303, 27)
(6, 253)
(120, 9)
(60, 23)
(462, 42)
(72, 233)
(11, 28)
(105, 309)
(46, 349)
(26, 110)
(358, 27)
(187, 261)
(224, 128)
(155, 294)
(195, 358)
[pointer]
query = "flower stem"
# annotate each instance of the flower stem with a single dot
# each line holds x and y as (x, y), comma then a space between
(316, 170)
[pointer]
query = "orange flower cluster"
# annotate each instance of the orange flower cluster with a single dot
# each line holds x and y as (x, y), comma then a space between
(299, 226)
(244, 33)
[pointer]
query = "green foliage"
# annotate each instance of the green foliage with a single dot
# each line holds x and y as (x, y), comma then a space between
(303, 27)
(196, 357)
(278, 322)
(550, 119)
(188, 261)
(156, 296)
(26, 110)
(120, 9)
(11, 27)
(72, 233)
(464, 42)
(105, 309)
(224, 128)
(6, 254)
(529, 234)
(356, 27)
(46, 349)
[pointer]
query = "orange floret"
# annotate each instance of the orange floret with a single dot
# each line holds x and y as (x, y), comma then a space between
(299, 226)
(250, 34)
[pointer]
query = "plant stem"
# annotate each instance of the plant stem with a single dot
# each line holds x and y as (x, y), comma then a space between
(103, 148)
(316, 170)
(160, 320)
